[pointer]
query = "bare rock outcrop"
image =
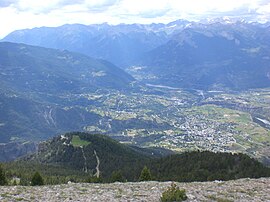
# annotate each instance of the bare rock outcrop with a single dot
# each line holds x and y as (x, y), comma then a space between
(235, 190)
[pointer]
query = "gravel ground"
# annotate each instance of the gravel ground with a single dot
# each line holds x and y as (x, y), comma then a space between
(238, 190)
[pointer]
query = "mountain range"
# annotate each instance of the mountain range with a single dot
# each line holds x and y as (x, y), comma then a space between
(119, 44)
(201, 55)
(212, 56)
(61, 87)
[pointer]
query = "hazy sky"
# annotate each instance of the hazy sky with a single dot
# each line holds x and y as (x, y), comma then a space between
(20, 14)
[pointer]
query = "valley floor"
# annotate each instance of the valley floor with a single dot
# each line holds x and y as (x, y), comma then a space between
(238, 190)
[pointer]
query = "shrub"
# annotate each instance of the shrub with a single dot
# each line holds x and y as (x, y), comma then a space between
(3, 180)
(145, 174)
(37, 180)
(117, 176)
(173, 193)
(94, 179)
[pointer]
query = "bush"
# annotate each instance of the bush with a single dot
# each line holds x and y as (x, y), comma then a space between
(173, 193)
(3, 180)
(94, 179)
(37, 180)
(117, 176)
(145, 174)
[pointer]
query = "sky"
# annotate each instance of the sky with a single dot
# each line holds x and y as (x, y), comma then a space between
(22, 14)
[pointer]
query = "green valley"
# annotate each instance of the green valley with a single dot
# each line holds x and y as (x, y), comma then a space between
(175, 119)
(72, 92)
(183, 121)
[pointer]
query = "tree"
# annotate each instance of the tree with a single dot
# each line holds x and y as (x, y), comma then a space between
(37, 180)
(3, 180)
(145, 174)
(117, 176)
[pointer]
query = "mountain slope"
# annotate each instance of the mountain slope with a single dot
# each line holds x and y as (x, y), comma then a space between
(23, 118)
(211, 57)
(119, 44)
(29, 68)
(38, 86)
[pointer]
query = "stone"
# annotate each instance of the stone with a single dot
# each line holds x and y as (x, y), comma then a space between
(234, 190)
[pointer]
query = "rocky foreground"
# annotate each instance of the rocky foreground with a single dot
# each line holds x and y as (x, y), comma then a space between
(238, 190)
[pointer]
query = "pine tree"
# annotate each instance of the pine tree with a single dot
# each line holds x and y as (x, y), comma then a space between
(37, 180)
(145, 174)
(3, 180)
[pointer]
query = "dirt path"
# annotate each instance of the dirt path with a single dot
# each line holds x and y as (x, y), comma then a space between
(84, 157)
(97, 167)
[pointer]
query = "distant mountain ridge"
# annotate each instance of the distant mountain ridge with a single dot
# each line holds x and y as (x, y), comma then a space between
(217, 54)
(119, 44)
(211, 57)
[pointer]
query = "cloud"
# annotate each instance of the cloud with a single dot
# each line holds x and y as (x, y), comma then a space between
(18, 14)
(211, 8)
(139, 7)
(100, 5)
(6, 3)
(34, 6)
(40, 6)
(264, 13)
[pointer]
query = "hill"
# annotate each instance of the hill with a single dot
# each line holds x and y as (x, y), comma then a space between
(80, 156)
(91, 154)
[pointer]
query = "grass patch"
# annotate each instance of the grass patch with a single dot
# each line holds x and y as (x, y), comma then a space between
(5, 195)
(77, 141)
(218, 199)
(20, 199)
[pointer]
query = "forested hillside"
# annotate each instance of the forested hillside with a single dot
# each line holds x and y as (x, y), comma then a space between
(84, 157)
